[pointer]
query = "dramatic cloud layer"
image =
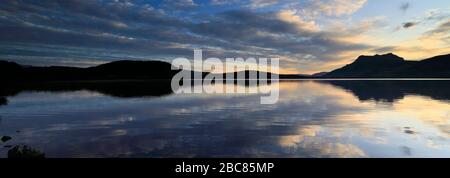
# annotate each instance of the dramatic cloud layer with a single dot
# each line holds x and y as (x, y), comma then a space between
(308, 36)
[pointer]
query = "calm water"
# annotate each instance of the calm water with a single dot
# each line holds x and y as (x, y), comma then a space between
(311, 119)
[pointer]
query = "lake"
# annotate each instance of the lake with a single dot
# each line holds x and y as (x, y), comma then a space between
(330, 118)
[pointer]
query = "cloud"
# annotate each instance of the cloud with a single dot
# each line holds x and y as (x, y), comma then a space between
(300, 33)
(116, 25)
(305, 8)
(443, 28)
(262, 3)
(337, 7)
(225, 2)
(384, 50)
(289, 16)
(142, 30)
(179, 4)
(282, 34)
(405, 6)
(441, 33)
(431, 16)
(434, 40)
(409, 24)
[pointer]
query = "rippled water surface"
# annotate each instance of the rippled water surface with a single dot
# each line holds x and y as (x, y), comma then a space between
(311, 119)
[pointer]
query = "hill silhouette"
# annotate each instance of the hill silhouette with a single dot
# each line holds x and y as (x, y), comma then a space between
(133, 69)
(393, 66)
(10, 71)
(377, 66)
(118, 70)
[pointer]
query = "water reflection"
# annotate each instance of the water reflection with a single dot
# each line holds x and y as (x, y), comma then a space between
(311, 119)
(392, 90)
(122, 89)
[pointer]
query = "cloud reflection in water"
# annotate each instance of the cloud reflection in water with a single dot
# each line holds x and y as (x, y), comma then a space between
(311, 119)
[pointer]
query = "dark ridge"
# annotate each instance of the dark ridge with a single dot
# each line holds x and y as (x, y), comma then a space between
(25, 152)
(393, 66)
(319, 74)
(10, 71)
(379, 59)
(378, 66)
(118, 70)
(54, 73)
(134, 70)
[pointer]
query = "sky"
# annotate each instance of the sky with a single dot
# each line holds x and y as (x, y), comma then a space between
(308, 36)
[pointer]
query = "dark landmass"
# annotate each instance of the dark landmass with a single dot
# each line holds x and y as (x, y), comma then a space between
(378, 66)
(133, 70)
(390, 91)
(24, 152)
(393, 66)
(320, 74)
(5, 138)
(118, 70)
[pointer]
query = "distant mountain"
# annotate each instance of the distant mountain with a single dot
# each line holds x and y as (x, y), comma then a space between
(133, 69)
(267, 75)
(10, 71)
(319, 74)
(118, 70)
(378, 66)
(393, 66)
